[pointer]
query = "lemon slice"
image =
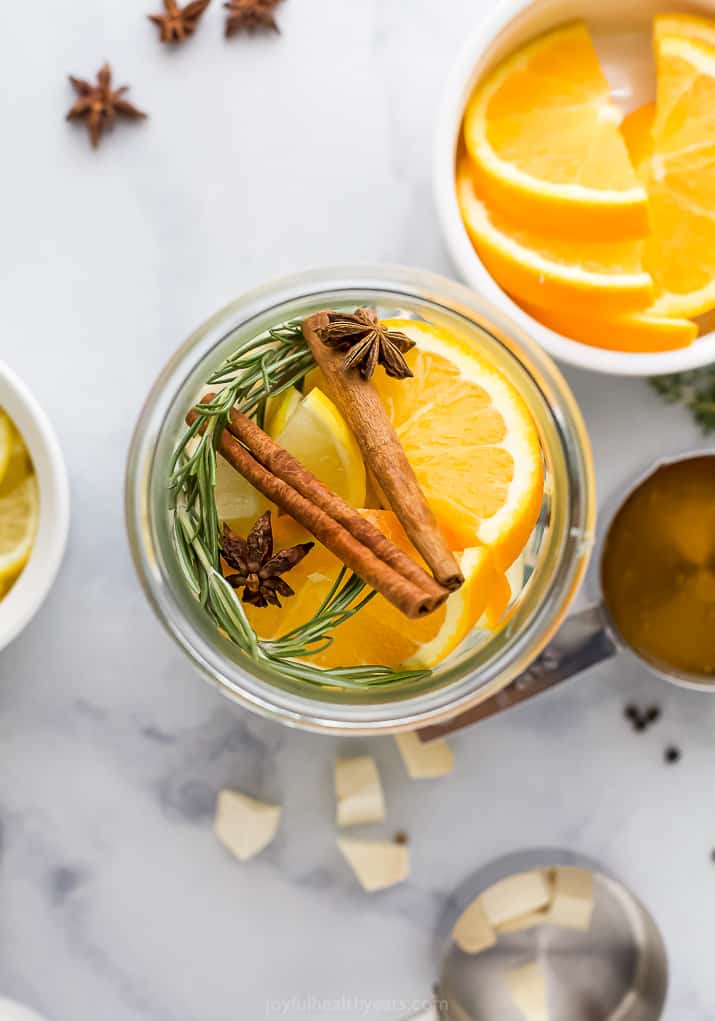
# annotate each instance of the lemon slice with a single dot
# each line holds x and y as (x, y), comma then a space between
(6, 443)
(237, 502)
(277, 416)
(18, 527)
(18, 466)
(318, 436)
(285, 404)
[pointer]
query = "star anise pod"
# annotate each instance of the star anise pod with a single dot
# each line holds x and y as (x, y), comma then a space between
(178, 23)
(250, 16)
(258, 568)
(100, 104)
(367, 342)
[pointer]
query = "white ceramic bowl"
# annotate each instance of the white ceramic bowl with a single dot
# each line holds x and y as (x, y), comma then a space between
(28, 593)
(11, 1011)
(622, 32)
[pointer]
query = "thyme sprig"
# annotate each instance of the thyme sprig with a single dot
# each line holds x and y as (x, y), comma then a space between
(694, 389)
(260, 368)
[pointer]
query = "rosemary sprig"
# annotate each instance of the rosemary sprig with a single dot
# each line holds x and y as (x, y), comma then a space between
(259, 368)
(694, 389)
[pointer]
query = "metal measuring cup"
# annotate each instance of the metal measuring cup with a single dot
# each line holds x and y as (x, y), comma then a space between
(616, 971)
(587, 637)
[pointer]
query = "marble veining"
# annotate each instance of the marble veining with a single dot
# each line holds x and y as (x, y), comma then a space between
(116, 902)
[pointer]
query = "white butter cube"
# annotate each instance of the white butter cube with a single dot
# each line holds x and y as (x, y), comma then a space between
(359, 791)
(245, 826)
(516, 896)
(425, 760)
(473, 932)
(377, 864)
(572, 904)
(527, 987)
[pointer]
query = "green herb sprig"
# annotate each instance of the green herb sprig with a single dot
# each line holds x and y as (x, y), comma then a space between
(260, 368)
(695, 390)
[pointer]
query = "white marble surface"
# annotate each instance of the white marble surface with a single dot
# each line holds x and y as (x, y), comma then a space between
(116, 902)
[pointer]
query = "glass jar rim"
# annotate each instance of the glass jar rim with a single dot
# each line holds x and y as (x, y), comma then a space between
(253, 687)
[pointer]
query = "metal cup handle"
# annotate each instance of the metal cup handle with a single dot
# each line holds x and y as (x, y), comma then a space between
(582, 641)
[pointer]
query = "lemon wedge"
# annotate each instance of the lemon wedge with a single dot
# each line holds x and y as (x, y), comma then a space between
(237, 502)
(277, 415)
(18, 527)
(318, 436)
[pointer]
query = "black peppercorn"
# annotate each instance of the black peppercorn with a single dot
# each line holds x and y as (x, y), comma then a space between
(672, 754)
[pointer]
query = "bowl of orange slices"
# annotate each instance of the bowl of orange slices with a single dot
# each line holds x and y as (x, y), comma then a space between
(575, 178)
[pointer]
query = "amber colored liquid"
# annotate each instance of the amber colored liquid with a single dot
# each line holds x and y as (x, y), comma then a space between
(658, 567)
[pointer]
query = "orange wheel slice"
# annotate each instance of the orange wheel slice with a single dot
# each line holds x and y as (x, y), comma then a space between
(607, 277)
(638, 332)
(471, 440)
(680, 253)
(688, 26)
(379, 633)
(637, 131)
(543, 137)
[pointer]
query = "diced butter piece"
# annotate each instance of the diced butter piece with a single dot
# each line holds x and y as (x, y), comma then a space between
(527, 986)
(376, 863)
(516, 896)
(473, 932)
(359, 791)
(572, 904)
(425, 760)
(531, 920)
(245, 826)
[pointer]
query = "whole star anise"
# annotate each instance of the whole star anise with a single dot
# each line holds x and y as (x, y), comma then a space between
(250, 16)
(178, 23)
(99, 104)
(258, 567)
(367, 342)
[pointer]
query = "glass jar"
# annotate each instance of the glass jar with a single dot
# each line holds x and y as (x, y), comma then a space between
(555, 559)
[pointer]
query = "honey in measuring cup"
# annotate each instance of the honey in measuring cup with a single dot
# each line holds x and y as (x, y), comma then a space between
(658, 568)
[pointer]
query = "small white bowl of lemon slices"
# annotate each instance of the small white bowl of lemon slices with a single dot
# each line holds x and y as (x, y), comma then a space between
(34, 506)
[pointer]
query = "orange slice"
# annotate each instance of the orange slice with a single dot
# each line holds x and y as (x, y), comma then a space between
(689, 26)
(471, 441)
(379, 633)
(680, 253)
(637, 131)
(607, 277)
(637, 332)
(543, 137)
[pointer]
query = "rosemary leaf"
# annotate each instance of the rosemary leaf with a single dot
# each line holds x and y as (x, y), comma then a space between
(695, 390)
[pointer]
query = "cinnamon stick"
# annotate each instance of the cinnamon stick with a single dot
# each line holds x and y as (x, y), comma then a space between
(408, 597)
(281, 463)
(363, 410)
